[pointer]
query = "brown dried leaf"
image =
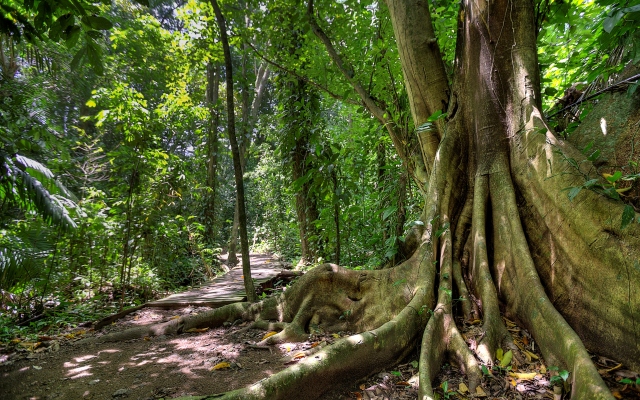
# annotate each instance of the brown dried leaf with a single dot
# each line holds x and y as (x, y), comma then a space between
(196, 330)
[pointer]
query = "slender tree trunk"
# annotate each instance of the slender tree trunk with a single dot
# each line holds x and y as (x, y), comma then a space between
(213, 85)
(237, 165)
(249, 116)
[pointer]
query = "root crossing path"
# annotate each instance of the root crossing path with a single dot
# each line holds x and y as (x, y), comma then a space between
(228, 288)
(225, 289)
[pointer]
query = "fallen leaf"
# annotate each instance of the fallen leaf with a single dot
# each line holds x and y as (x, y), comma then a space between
(175, 317)
(37, 367)
(356, 395)
(16, 340)
(480, 392)
(462, 388)
(513, 382)
(476, 322)
(510, 324)
(69, 335)
(525, 340)
(269, 334)
(506, 359)
(523, 375)
(530, 354)
(335, 335)
(362, 387)
(299, 355)
(403, 383)
(147, 338)
(614, 368)
(31, 346)
(543, 369)
(314, 344)
(221, 365)
(196, 330)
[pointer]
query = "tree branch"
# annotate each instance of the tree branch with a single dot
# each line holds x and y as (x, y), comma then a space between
(304, 78)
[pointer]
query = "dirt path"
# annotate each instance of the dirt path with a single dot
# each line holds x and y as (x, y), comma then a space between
(172, 366)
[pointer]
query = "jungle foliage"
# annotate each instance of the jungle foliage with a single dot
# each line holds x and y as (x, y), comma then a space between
(106, 130)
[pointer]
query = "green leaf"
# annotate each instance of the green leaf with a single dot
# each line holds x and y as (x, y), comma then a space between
(615, 177)
(594, 156)
(436, 116)
(99, 23)
(610, 22)
(506, 359)
(388, 211)
(72, 35)
(77, 58)
(574, 192)
(564, 374)
(628, 215)
(93, 53)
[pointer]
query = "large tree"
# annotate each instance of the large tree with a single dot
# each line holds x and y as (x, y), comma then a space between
(498, 227)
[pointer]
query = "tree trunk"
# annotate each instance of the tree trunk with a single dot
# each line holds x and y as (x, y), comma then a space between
(213, 85)
(249, 116)
(237, 166)
(498, 230)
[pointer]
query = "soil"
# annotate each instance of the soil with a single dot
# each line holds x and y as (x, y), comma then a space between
(226, 358)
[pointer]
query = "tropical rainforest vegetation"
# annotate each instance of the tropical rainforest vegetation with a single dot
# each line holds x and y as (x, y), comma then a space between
(434, 158)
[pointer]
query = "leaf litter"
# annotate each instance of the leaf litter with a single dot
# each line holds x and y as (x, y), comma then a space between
(207, 361)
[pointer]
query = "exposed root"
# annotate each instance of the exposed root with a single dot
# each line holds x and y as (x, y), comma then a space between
(515, 271)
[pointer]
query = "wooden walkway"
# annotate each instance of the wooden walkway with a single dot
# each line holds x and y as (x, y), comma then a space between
(227, 288)
(223, 290)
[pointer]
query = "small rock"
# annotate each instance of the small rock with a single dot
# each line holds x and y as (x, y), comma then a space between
(120, 393)
(93, 382)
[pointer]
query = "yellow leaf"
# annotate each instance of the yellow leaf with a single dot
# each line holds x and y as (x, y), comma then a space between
(606, 176)
(222, 365)
(513, 382)
(335, 335)
(543, 369)
(69, 335)
(31, 346)
(16, 340)
(299, 355)
(175, 317)
(506, 359)
(499, 354)
(530, 354)
(269, 334)
(523, 375)
(510, 324)
(81, 332)
(622, 190)
(196, 330)
(480, 392)
(476, 322)
(462, 388)
(147, 338)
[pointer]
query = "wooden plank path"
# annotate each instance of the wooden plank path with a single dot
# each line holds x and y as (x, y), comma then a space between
(223, 290)
(227, 288)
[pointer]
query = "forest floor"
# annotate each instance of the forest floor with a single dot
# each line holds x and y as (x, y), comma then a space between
(226, 358)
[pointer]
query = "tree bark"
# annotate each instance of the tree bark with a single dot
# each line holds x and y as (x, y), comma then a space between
(237, 166)
(213, 85)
